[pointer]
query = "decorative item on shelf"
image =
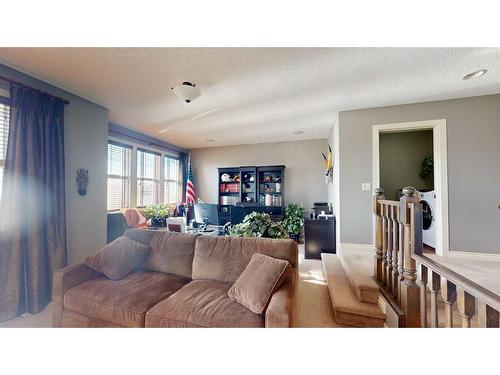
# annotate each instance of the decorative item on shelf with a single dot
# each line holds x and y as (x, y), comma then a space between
(236, 178)
(225, 177)
(268, 200)
(294, 220)
(82, 180)
(276, 178)
(329, 161)
(277, 187)
(248, 199)
(267, 178)
(252, 179)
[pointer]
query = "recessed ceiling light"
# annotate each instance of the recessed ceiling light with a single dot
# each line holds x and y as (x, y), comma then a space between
(298, 132)
(209, 140)
(475, 74)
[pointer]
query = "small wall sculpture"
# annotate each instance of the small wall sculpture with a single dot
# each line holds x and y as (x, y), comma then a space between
(329, 160)
(82, 180)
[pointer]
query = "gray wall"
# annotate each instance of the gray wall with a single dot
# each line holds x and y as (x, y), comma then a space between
(304, 175)
(473, 135)
(401, 156)
(85, 138)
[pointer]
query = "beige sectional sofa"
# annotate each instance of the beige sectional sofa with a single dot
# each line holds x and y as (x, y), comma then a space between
(183, 282)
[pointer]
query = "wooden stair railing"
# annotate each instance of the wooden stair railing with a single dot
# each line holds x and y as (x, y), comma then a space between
(405, 274)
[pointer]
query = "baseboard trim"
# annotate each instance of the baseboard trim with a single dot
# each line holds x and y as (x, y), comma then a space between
(471, 255)
(361, 246)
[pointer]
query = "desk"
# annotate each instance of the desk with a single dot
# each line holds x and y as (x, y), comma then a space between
(214, 232)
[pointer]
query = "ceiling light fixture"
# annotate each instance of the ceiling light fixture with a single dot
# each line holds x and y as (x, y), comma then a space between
(209, 140)
(475, 74)
(298, 132)
(187, 91)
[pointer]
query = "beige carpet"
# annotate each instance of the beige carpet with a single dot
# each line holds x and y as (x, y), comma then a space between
(313, 304)
(312, 308)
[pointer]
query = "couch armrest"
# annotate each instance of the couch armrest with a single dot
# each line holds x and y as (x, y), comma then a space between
(64, 279)
(280, 308)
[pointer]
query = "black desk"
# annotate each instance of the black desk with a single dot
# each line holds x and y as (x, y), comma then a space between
(319, 238)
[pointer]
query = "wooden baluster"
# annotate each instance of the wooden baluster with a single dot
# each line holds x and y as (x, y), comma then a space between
(449, 294)
(395, 247)
(466, 304)
(423, 295)
(400, 256)
(435, 288)
(488, 316)
(384, 244)
(377, 272)
(389, 248)
(410, 291)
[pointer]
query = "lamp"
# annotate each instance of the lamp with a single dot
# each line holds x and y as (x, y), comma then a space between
(187, 91)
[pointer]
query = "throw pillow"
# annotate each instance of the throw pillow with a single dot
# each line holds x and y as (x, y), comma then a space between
(117, 259)
(258, 281)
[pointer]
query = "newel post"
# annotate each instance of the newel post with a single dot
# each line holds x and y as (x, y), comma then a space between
(410, 291)
(379, 195)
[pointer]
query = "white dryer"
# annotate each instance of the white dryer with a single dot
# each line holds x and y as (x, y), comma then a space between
(428, 200)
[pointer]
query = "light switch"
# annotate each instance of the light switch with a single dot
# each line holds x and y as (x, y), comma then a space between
(366, 186)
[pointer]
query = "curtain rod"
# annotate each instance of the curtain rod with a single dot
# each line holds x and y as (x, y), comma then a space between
(33, 89)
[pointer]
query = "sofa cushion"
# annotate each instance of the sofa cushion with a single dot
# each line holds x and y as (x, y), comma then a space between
(171, 252)
(225, 258)
(118, 258)
(123, 302)
(202, 303)
(256, 284)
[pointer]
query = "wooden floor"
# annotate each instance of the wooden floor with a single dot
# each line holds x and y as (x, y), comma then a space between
(312, 308)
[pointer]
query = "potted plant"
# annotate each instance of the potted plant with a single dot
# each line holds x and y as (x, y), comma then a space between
(158, 214)
(294, 220)
(258, 224)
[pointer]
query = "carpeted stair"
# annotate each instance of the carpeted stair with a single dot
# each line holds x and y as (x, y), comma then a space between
(353, 293)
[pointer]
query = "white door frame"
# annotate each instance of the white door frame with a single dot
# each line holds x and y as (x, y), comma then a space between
(440, 171)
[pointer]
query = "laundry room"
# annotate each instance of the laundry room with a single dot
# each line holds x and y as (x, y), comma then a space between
(406, 159)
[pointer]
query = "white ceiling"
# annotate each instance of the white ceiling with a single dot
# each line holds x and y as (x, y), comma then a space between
(254, 95)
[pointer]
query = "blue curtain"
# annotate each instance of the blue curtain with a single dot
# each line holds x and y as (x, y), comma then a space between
(32, 207)
(184, 159)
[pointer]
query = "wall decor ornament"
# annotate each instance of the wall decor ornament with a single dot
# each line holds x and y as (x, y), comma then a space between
(82, 180)
(329, 161)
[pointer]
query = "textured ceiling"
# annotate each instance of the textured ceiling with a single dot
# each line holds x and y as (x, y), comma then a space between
(254, 95)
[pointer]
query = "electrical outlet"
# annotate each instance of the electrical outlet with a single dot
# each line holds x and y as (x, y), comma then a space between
(366, 186)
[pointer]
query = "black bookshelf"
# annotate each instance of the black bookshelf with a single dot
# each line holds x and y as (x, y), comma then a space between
(262, 186)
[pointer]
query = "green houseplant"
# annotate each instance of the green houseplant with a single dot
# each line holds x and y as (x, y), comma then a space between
(294, 220)
(158, 214)
(427, 168)
(258, 224)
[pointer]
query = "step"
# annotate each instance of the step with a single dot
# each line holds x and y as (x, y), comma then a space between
(347, 308)
(357, 261)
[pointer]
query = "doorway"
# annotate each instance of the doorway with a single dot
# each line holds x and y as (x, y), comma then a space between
(407, 154)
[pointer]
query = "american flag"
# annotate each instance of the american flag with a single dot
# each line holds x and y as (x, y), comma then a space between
(190, 192)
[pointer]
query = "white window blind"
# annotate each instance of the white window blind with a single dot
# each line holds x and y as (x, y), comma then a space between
(118, 176)
(4, 134)
(148, 177)
(171, 184)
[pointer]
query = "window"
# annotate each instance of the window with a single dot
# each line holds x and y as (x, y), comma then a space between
(148, 177)
(171, 184)
(4, 134)
(118, 175)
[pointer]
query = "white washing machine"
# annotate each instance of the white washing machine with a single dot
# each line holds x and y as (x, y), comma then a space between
(428, 200)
